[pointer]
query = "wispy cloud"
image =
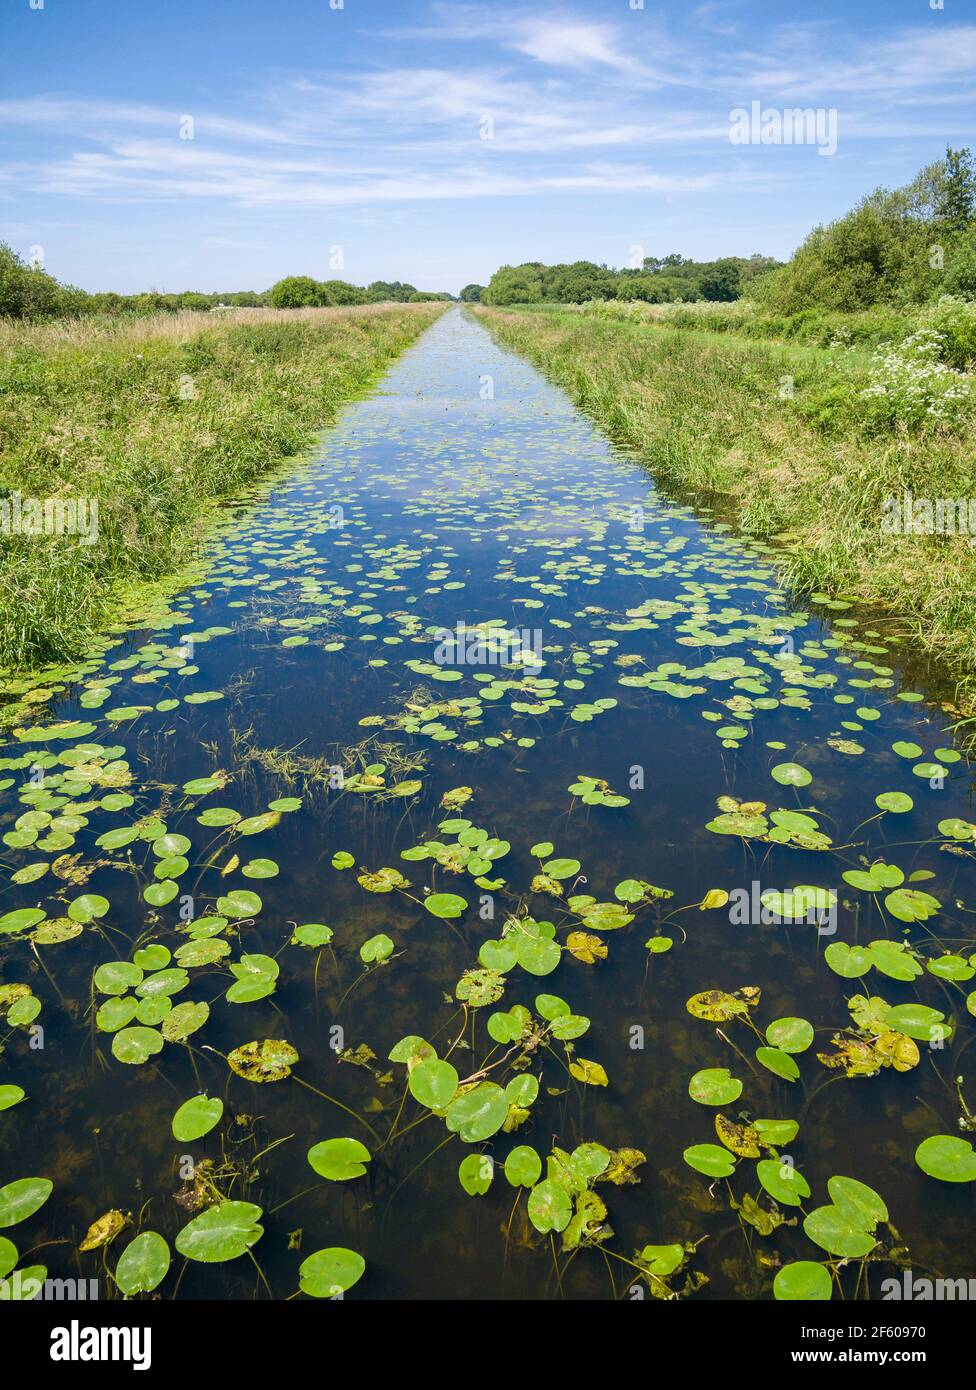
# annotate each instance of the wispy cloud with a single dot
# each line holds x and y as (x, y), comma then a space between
(512, 114)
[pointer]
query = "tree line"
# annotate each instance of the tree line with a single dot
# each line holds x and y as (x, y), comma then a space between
(656, 280)
(29, 292)
(897, 247)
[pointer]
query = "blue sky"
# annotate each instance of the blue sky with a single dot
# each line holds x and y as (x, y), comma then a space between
(362, 127)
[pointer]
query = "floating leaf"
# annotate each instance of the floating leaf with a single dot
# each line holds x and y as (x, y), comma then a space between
(582, 946)
(743, 1140)
(434, 1083)
(943, 1156)
(445, 905)
(136, 1045)
(777, 1061)
(790, 1034)
(714, 1086)
(239, 904)
(523, 1166)
(21, 1199)
(9, 1097)
(143, 1264)
(103, 1231)
(803, 1280)
(831, 1229)
(475, 1174)
(710, 1160)
(782, 1181)
(339, 1159)
(222, 1232)
(716, 1006)
(88, 907)
(196, 1117)
(478, 1113)
(549, 1207)
(184, 1020)
(270, 1060)
(791, 775)
(590, 1073)
(330, 1273)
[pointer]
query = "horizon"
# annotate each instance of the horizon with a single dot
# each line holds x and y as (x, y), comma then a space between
(431, 143)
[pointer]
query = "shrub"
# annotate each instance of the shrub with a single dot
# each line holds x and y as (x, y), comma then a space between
(911, 386)
(297, 292)
(961, 271)
(954, 319)
(27, 292)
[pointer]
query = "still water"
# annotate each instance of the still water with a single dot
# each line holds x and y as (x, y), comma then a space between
(634, 643)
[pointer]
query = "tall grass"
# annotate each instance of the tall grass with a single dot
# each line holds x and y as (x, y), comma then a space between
(159, 421)
(787, 436)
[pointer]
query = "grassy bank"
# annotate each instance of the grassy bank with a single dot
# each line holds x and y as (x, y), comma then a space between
(157, 421)
(788, 437)
(951, 318)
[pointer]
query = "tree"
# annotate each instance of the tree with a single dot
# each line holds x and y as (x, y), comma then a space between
(961, 269)
(471, 294)
(956, 198)
(721, 281)
(297, 292)
(242, 299)
(515, 284)
(576, 283)
(341, 292)
(389, 291)
(28, 292)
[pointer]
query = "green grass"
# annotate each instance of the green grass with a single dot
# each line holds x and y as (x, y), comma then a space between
(161, 421)
(712, 415)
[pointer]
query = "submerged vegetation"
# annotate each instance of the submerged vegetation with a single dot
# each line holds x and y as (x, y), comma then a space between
(121, 443)
(335, 963)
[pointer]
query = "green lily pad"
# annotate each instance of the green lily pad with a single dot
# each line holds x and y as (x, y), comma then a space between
(197, 1117)
(21, 1199)
(523, 1166)
(803, 1281)
(445, 905)
(946, 1157)
(143, 1264)
(549, 1206)
(710, 1159)
(433, 1083)
(222, 1232)
(330, 1273)
(714, 1086)
(339, 1159)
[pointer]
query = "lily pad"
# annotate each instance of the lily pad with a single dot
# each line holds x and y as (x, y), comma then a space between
(339, 1159)
(222, 1232)
(143, 1264)
(330, 1273)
